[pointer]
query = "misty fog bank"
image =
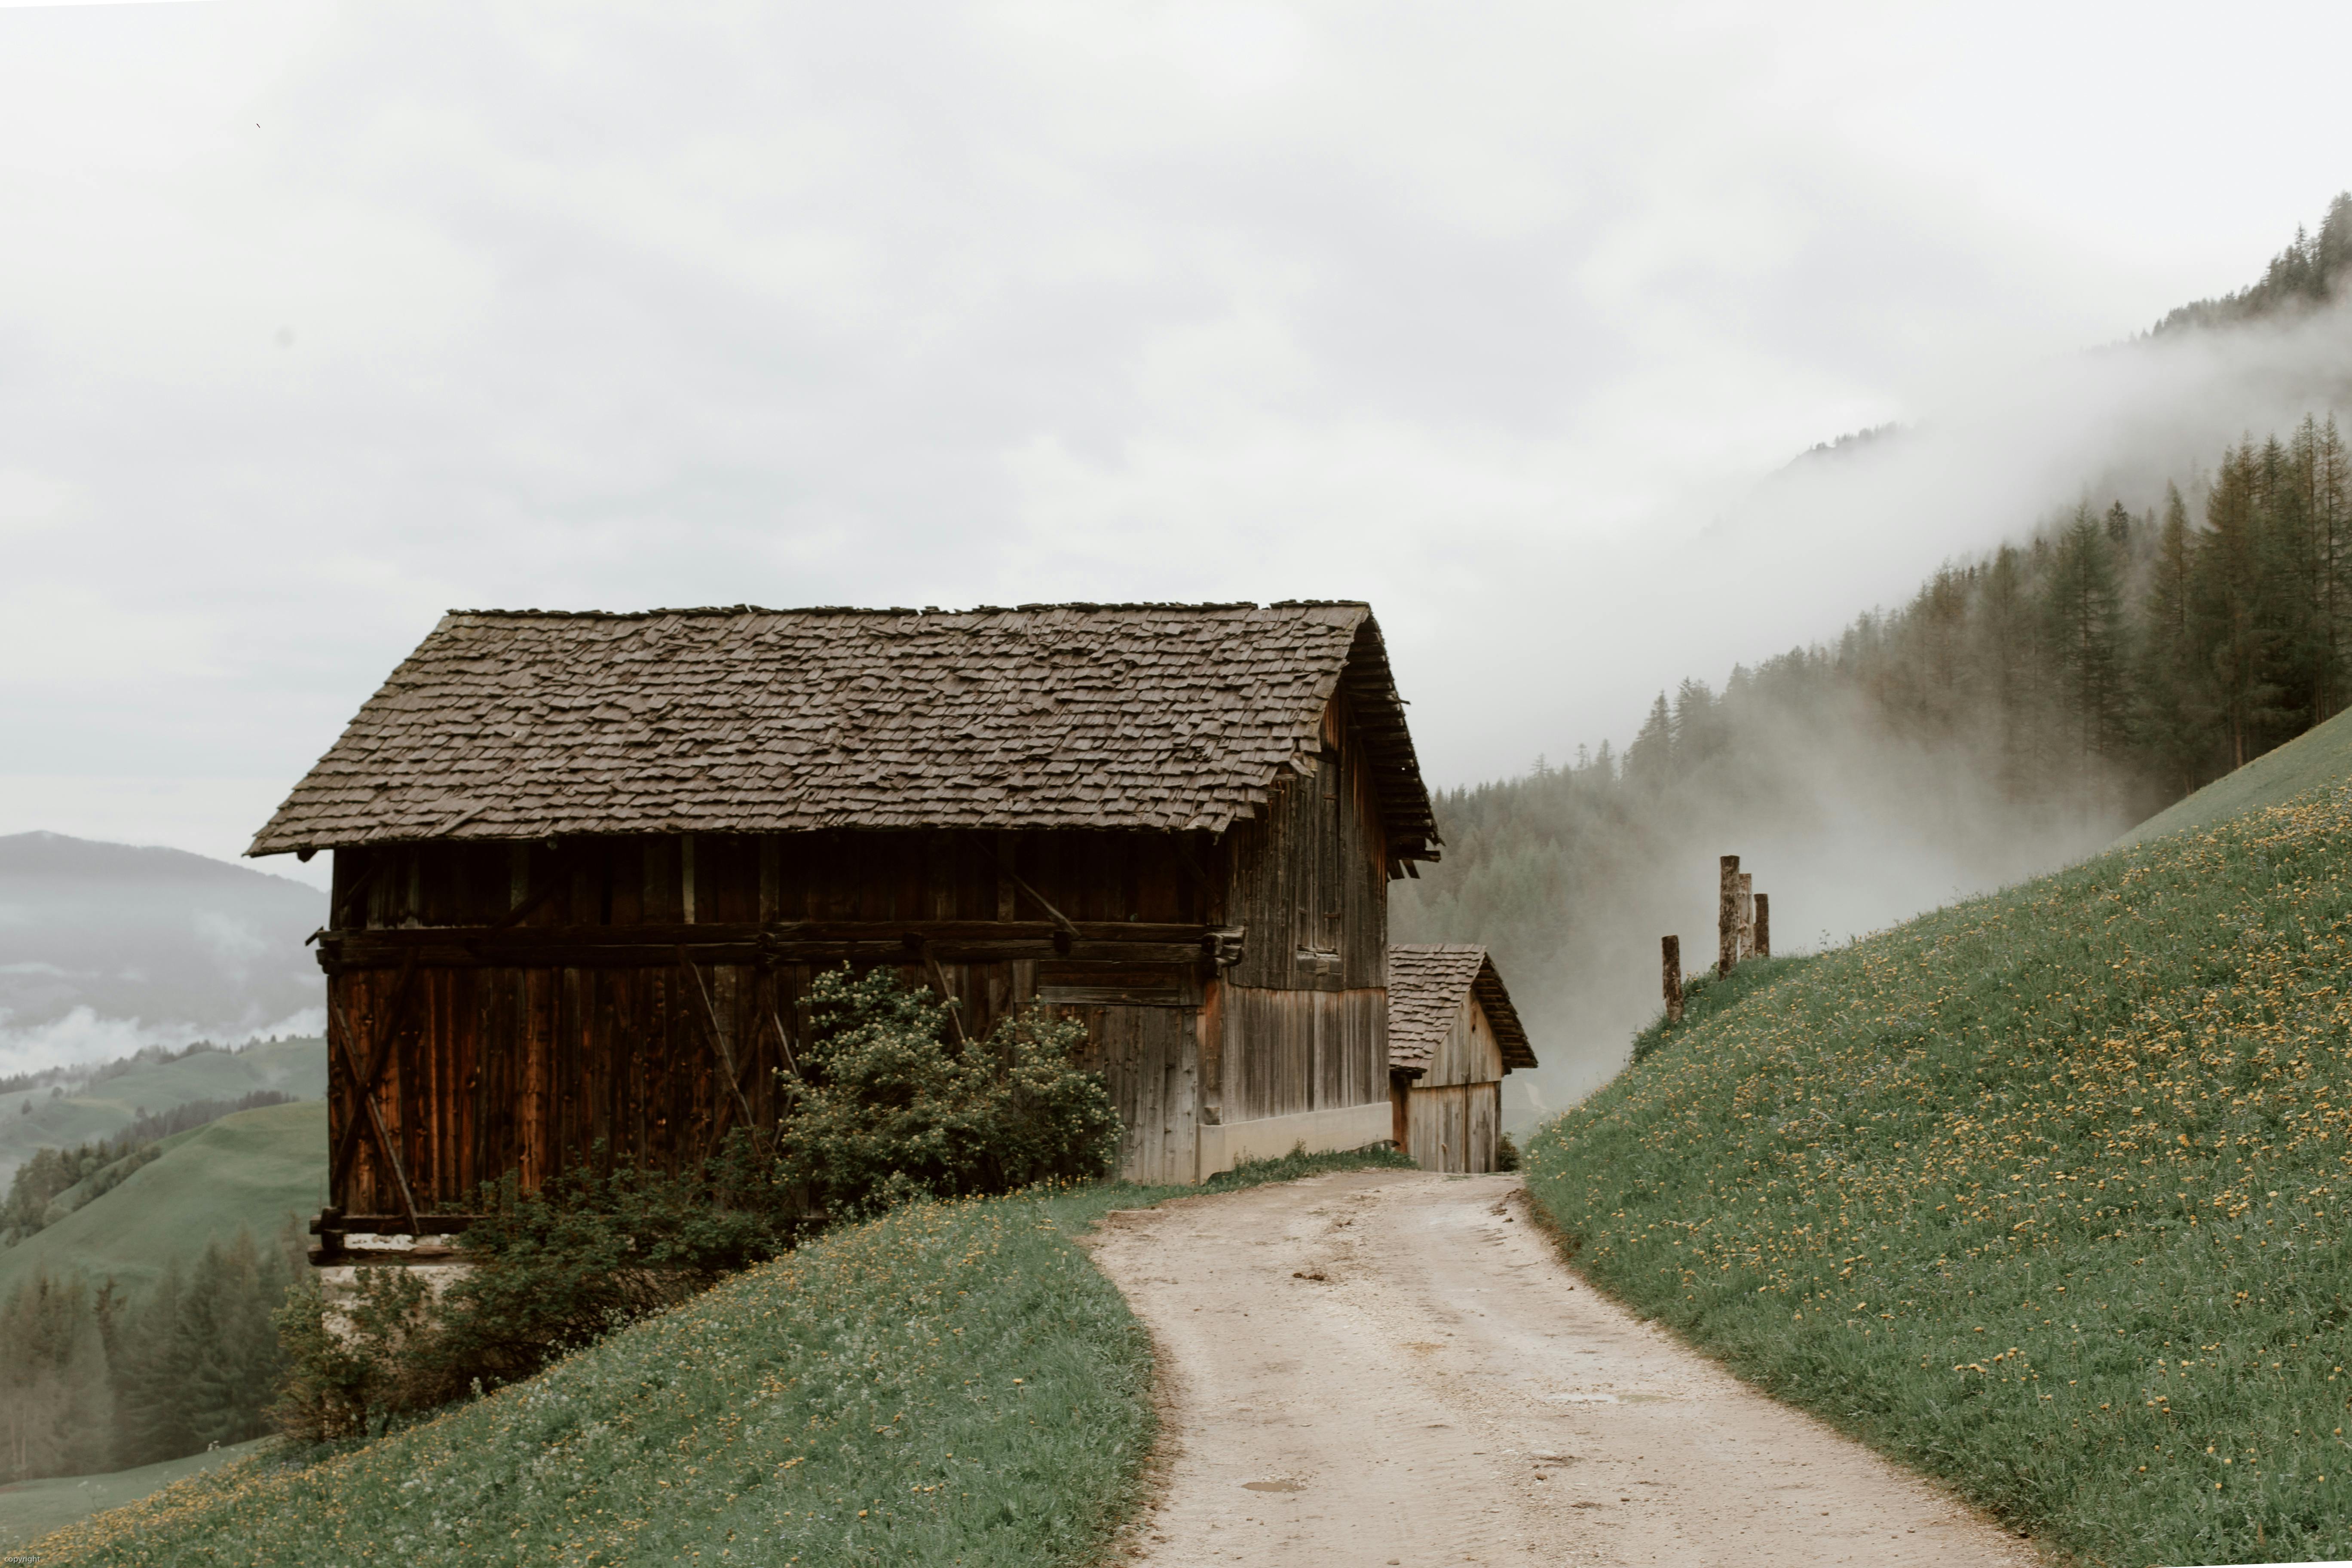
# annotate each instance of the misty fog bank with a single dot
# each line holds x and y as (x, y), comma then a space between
(106, 949)
(1955, 745)
(1572, 875)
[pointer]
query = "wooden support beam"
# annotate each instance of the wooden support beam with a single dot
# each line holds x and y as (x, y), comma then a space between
(940, 988)
(1746, 915)
(341, 1030)
(1068, 928)
(1670, 975)
(1763, 925)
(1726, 916)
(339, 1164)
(390, 1224)
(719, 1040)
(795, 942)
(530, 906)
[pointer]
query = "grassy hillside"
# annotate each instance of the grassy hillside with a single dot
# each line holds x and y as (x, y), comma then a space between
(30, 1510)
(2316, 759)
(252, 1169)
(951, 1383)
(105, 1106)
(2044, 1192)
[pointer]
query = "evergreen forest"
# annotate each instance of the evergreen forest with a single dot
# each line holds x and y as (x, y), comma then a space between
(2020, 709)
(95, 1376)
(91, 1380)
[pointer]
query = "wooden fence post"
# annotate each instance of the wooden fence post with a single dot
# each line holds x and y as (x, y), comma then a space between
(1763, 925)
(1670, 972)
(1727, 918)
(1746, 915)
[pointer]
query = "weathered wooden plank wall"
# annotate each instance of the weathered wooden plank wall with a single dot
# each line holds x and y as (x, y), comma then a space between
(846, 875)
(1304, 1016)
(1454, 1127)
(1469, 1054)
(1149, 1056)
(499, 1066)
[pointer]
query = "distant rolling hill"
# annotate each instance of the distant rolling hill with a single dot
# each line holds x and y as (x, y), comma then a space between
(252, 1170)
(2313, 760)
(102, 1104)
(181, 945)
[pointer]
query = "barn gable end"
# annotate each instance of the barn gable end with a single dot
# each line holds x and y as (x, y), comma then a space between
(1452, 1033)
(587, 864)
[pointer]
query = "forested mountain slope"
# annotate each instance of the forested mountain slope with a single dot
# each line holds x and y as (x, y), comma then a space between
(2315, 759)
(256, 1171)
(2020, 709)
(2304, 276)
(138, 1327)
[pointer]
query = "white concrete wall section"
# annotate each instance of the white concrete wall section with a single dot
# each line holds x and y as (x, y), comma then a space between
(1271, 1137)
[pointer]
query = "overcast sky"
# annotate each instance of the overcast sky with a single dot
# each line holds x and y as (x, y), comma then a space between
(318, 320)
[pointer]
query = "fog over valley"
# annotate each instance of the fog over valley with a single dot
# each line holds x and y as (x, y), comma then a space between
(106, 949)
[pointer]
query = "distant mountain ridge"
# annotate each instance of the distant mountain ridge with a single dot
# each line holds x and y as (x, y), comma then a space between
(2301, 278)
(2016, 710)
(183, 945)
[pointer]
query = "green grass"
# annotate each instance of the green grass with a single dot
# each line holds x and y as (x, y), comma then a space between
(30, 1510)
(2317, 759)
(1708, 993)
(2045, 1194)
(249, 1169)
(951, 1383)
(293, 1067)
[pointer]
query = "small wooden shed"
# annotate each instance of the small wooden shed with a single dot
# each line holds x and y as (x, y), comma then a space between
(1452, 1033)
(586, 864)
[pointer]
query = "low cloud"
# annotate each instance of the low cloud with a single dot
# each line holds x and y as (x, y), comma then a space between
(83, 1038)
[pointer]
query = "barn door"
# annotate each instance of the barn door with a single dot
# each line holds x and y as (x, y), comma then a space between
(1163, 1133)
(1486, 1113)
(1149, 1060)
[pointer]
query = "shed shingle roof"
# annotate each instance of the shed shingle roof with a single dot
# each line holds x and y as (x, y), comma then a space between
(528, 724)
(1426, 985)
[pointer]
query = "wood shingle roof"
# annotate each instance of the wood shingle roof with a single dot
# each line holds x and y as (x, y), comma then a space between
(533, 724)
(1426, 985)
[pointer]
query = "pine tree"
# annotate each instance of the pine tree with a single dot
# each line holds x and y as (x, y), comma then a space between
(56, 1414)
(224, 1345)
(2175, 711)
(2227, 612)
(2084, 611)
(2329, 484)
(149, 1381)
(1650, 759)
(1698, 737)
(2008, 643)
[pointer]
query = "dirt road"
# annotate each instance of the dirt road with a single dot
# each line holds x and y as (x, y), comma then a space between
(1390, 1367)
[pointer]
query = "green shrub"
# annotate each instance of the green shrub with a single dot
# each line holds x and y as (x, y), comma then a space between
(1507, 1153)
(886, 1112)
(885, 1109)
(551, 1271)
(346, 1363)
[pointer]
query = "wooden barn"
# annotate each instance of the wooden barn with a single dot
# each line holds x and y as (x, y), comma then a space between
(1452, 1033)
(587, 863)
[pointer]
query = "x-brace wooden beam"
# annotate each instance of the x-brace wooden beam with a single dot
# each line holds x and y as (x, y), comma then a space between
(375, 1124)
(379, 1058)
(719, 1039)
